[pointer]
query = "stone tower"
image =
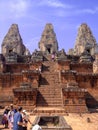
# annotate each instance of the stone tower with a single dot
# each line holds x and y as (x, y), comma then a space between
(48, 42)
(12, 42)
(85, 41)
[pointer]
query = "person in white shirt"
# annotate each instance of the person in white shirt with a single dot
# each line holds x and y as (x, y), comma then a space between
(26, 119)
(36, 127)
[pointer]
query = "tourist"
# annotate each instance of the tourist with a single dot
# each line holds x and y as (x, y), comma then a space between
(18, 121)
(40, 69)
(5, 117)
(15, 109)
(56, 57)
(53, 56)
(11, 117)
(36, 127)
(26, 119)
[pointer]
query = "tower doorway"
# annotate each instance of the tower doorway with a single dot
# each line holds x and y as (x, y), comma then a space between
(49, 50)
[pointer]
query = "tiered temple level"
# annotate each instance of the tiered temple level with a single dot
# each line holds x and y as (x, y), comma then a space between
(67, 83)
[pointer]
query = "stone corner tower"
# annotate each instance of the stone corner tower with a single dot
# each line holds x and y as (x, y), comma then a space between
(48, 42)
(85, 40)
(12, 42)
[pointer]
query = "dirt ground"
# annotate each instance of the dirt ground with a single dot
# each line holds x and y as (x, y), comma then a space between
(76, 121)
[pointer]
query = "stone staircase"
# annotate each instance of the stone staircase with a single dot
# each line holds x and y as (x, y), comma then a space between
(49, 97)
(49, 92)
(49, 66)
(47, 57)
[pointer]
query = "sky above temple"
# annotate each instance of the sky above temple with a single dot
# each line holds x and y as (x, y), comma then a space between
(32, 15)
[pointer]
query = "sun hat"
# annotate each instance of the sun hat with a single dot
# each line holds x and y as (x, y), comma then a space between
(24, 111)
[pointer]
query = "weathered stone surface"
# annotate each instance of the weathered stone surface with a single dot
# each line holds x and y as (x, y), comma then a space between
(12, 42)
(71, 51)
(25, 95)
(85, 57)
(84, 41)
(85, 35)
(95, 64)
(61, 55)
(37, 56)
(75, 97)
(48, 42)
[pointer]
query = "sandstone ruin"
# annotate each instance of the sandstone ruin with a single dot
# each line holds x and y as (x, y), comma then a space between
(34, 81)
(48, 42)
(85, 41)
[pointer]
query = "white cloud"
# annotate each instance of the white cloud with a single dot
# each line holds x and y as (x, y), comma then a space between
(90, 11)
(18, 7)
(87, 11)
(74, 12)
(53, 3)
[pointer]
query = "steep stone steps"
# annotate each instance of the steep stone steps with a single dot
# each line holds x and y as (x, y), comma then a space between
(49, 66)
(49, 78)
(49, 92)
(49, 98)
(47, 57)
(50, 102)
(52, 95)
(49, 95)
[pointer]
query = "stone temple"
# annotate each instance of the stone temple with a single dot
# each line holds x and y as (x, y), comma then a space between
(68, 83)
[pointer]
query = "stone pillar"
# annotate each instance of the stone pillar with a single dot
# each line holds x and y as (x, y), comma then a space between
(95, 64)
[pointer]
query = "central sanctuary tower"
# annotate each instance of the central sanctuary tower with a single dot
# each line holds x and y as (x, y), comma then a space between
(48, 42)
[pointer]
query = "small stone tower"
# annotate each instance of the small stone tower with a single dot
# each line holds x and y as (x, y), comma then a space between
(48, 42)
(85, 41)
(12, 42)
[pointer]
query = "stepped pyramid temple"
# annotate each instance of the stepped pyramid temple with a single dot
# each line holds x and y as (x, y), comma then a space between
(49, 81)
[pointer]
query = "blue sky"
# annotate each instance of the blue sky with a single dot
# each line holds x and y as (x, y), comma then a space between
(32, 16)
